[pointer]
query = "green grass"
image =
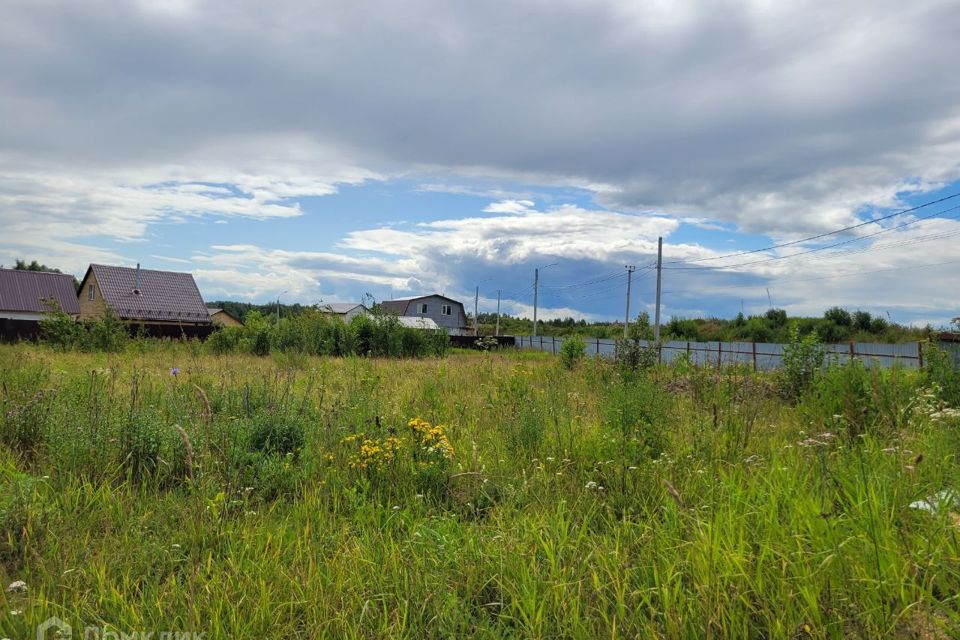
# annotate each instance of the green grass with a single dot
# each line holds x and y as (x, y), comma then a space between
(579, 503)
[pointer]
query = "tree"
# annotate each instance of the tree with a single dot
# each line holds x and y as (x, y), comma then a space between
(839, 316)
(862, 320)
(777, 318)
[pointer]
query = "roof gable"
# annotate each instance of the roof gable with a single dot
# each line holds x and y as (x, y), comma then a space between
(340, 307)
(399, 307)
(169, 296)
(26, 291)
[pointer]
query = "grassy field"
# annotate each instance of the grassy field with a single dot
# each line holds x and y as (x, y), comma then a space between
(167, 490)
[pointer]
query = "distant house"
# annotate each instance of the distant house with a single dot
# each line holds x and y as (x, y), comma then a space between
(447, 313)
(224, 318)
(26, 297)
(164, 303)
(346, 311)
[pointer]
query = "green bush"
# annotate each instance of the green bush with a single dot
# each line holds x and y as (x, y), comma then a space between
(802, 360)
(572, 351)
(107, 333)
(61, 330)
(274, 434)
(633, 355)
(940, 372)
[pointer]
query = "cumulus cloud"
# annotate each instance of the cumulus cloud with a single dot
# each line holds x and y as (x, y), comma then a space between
(782, 117)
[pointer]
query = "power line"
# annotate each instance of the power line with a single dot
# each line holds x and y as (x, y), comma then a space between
(927, 238)
(823, 235)
(845, 274)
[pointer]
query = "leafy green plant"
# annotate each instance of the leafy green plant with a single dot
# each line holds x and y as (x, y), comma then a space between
(633, 355)
(803, 358)
(60, 329)
(572, 351)
(107, 333)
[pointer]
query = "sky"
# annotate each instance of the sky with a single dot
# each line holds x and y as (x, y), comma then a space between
(322, 151)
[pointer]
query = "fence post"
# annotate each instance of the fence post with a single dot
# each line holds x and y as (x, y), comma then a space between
(553, 344)
(754, 356)
(919, 355)
(853, 353)
(719, 354)
(598, 346)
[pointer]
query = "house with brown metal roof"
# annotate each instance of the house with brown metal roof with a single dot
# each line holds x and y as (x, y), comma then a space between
(26, 297)
(163, 303)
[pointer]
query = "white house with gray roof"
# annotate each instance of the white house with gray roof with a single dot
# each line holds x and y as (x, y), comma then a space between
(447, 313)
(346, 311)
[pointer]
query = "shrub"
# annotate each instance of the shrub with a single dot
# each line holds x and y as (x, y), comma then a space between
(802, 360)
(260, 345)
(940, 372)
(107, 333)
(572, 351)
(61, 330)
(777, 318)
(275, 435)
(225, 340)
(633, 355)
(838, 316)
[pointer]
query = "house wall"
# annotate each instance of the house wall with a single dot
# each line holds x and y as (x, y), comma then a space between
(91, 309)
(353, 313)
(454, 323)
(225, 319)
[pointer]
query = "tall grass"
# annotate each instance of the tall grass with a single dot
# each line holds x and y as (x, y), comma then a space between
(292, 497)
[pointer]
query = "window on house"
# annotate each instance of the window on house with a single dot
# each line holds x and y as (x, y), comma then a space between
(91, 293)
(446, 310)
(423, 308)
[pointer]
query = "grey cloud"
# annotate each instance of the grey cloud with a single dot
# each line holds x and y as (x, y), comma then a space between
(783, 117)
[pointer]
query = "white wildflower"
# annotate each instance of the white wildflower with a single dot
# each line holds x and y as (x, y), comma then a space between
(18, 586)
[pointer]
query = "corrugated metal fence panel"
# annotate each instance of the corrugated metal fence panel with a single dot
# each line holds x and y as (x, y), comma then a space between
(953, 349)
(672, 349)
(888, 355)
(767, 356)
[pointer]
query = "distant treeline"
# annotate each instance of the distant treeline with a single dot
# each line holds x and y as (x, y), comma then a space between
(836, 325)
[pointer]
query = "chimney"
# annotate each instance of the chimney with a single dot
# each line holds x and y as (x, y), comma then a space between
(136, 281)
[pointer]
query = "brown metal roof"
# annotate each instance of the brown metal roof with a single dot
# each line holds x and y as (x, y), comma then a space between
(168, 296)
(25, 291)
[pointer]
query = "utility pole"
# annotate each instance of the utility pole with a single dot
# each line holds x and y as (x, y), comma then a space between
(498, 313)
(476, 318)
(656, 326)
(626, 316)
(536, 281)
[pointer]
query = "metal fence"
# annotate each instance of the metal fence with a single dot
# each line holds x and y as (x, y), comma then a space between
(760, 356)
